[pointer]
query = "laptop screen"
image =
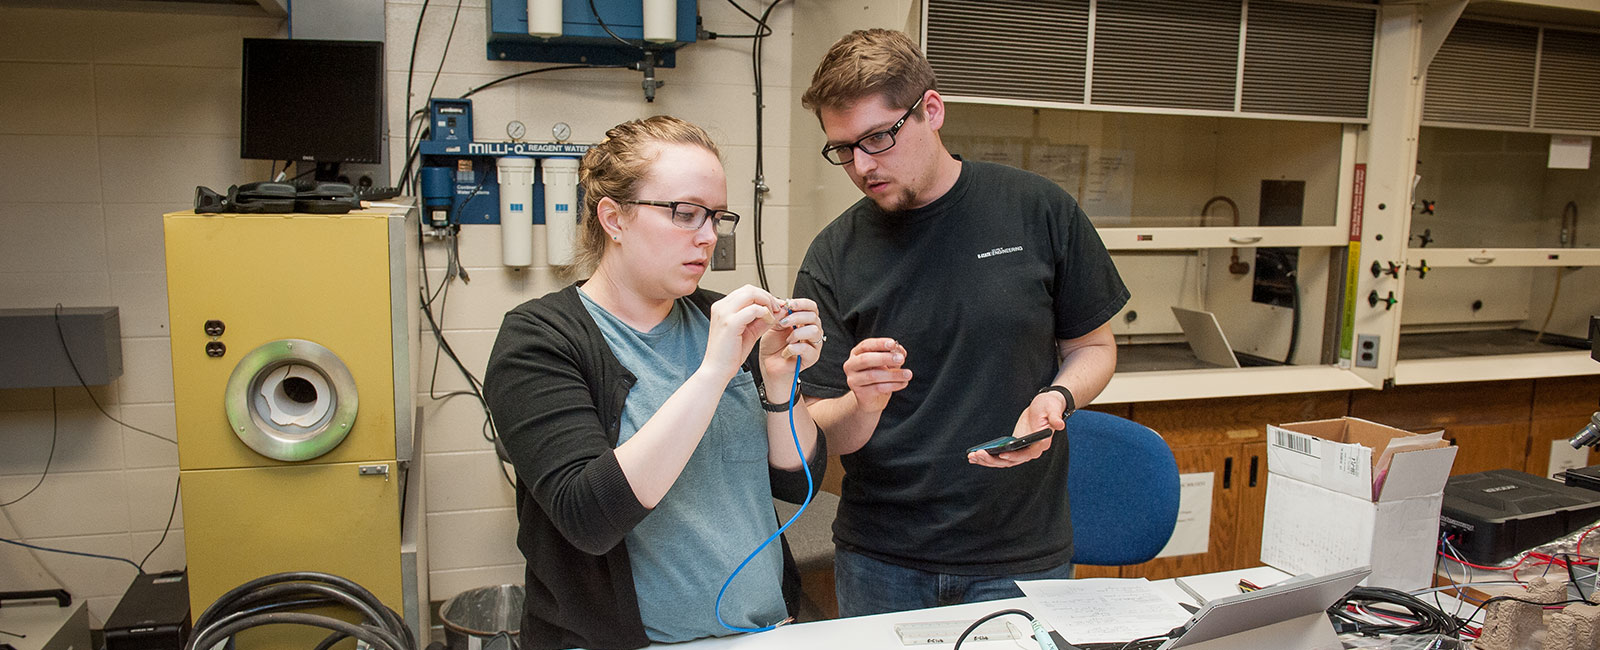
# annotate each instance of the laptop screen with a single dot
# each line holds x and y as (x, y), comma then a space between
(1205, 337)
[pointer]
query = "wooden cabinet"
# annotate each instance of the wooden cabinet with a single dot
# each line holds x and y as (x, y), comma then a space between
(1562, 406)
(1488, 421)
(1252, 505)
(1226, 438)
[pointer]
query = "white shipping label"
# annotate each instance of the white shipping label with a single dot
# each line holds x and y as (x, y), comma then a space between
(1349, 461)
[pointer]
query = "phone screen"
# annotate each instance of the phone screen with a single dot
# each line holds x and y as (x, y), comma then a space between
(1004, 444)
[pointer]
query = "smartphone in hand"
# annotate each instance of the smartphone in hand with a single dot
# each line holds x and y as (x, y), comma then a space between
(1009, 443)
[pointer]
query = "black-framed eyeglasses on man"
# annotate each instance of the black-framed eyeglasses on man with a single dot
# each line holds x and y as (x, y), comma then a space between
(871, 143)
(692, 216)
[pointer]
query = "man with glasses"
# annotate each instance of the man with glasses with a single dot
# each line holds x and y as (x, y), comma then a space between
(965, 301)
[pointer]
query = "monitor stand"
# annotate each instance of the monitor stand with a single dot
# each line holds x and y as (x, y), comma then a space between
(327, 172)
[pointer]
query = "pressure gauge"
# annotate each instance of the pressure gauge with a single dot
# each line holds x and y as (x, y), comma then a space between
(561, 132)
(516, 130)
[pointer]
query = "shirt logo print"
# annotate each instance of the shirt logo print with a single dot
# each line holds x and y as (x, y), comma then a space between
(999, 250)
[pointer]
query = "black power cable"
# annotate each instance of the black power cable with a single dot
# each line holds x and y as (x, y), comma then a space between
(761, 188)
(985, 619)
(448, 38)
(1428, 618)
(176, 488)
(763, 30)
(55, 431)
(47, 549)
(442, 344)
(524, 73)
(612, 34)
(62, 336)
(411, 71)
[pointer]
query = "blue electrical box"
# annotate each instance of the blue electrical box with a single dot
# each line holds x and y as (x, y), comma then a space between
(450, 120)
(460, 183)
(582, 38)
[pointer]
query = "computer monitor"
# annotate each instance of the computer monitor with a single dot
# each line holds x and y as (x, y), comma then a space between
(315, 101)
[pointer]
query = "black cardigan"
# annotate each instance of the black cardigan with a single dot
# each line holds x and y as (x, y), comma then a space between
(556, 393)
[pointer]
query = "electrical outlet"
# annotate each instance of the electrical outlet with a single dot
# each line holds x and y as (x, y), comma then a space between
(722, 255)
(1366, 350)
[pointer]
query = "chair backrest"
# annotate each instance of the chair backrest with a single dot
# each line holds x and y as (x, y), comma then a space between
(1122, 484)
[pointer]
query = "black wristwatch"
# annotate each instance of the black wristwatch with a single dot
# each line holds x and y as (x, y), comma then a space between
(1071, 404)
(761, 389)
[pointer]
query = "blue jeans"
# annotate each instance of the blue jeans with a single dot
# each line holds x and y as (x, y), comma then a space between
(866, 586)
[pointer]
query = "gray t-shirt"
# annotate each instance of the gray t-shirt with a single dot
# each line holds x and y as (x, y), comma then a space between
(718, 510)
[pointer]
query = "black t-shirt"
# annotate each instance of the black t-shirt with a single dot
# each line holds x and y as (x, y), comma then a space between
(978, 286)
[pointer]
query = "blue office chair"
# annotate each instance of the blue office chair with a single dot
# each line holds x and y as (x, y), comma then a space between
(1122, 483)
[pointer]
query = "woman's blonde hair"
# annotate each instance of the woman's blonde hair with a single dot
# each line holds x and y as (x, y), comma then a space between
(869, 62)
(614, 169)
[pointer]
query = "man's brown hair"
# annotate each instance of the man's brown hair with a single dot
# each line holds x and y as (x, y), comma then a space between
(869, 62)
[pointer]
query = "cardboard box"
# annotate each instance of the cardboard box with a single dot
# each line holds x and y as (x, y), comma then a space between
(1346, 492)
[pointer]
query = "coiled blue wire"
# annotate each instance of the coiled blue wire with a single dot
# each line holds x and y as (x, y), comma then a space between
(810, 491)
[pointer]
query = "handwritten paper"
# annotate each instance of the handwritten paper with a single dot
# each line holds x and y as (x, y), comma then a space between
(1104, 610)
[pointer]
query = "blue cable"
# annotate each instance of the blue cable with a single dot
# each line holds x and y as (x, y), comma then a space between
(57, 550)
(810, 491)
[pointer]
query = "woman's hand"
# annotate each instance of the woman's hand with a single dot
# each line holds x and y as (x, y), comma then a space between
(796, 334)
(738, 320)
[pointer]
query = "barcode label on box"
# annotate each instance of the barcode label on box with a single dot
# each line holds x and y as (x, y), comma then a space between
(1297, 442)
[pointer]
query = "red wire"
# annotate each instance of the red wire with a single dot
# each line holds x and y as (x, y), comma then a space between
(1373, 612)
(1460, 561)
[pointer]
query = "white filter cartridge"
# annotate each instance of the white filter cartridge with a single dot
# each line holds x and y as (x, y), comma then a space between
(661, 21)
(516, 210)
(544, 18)
(560, 208)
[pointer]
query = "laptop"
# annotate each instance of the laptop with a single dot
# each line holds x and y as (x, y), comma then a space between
(1286, 616)
(1210, 345)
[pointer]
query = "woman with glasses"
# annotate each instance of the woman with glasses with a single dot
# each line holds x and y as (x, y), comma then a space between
(649, 419)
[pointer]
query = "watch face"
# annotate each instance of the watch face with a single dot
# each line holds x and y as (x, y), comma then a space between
(516, 130)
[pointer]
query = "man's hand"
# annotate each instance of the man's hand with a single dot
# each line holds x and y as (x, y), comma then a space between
(1044, 412)
(874, 372)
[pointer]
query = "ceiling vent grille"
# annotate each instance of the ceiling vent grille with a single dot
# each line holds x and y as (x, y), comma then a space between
(1310, 58)
(1483, 74)
(1012, 49)
(1569, 81)
(1303, 59)
(1166, 53)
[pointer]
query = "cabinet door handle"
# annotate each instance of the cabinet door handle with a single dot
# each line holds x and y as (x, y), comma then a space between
(1255, 463)
(1227, 473)
(1481, 260)
(1245, 239)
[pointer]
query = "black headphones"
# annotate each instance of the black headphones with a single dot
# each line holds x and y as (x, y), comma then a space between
(305, 196)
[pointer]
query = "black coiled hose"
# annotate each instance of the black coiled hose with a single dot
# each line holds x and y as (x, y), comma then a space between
(276, 599)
